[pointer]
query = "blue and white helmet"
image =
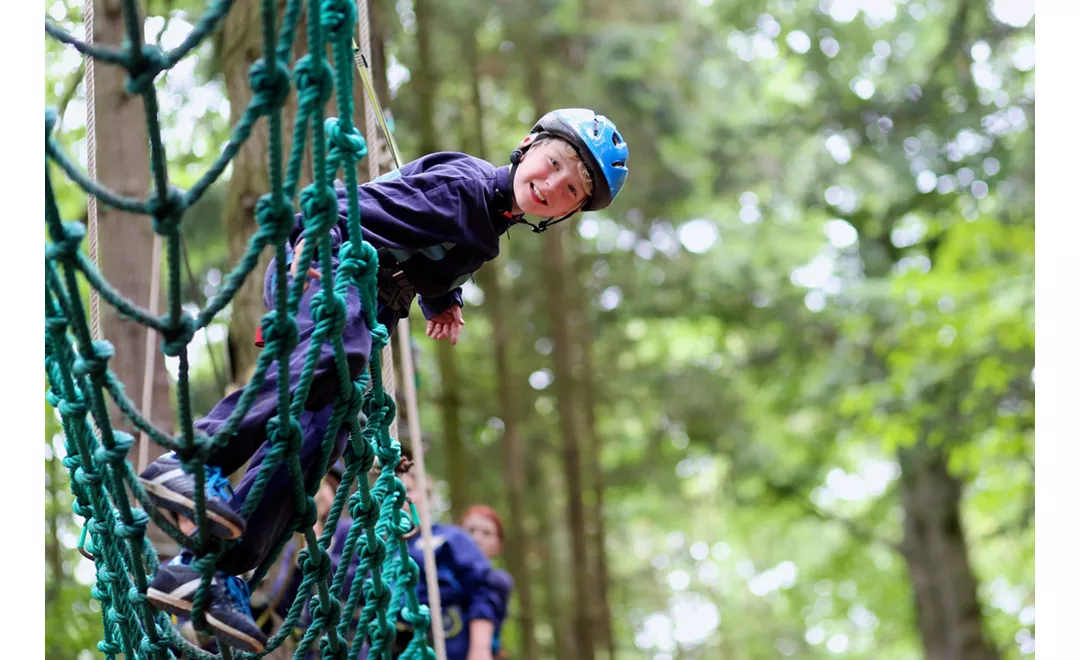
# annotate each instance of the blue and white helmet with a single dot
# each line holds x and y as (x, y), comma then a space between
(600, 146)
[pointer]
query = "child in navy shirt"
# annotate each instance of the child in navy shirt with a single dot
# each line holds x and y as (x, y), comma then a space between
(434, 223)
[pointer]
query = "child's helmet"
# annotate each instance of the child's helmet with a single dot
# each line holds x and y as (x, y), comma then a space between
(600, 146)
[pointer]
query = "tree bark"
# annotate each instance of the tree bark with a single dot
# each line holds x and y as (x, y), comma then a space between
(544, 544)
(593, 463)
(241, 47)
(126, 241)
(554, 270)
(450, 400)
(947, 609)
(457, 473)
(490, 280)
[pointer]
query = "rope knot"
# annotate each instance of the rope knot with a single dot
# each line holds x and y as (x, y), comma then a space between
(359, 261)
(420, 618)
(67, 245)
(306, 561)
(145, 66)
(275, 215)
(151, 649)
(270, 85)
(288, 436)
(380, 337)
(280, 332)
(326, 648)
(363, 510)
(314, 81)
(344, 144)
(375, 555)
(109, 648)
(167, 211)
(388, 453)
(338, 15)
(328, 308)
(179, 336)
(122, 444)
(97, 362)
(135, 528)
(325, 612)
(320, 209)
(74, 408)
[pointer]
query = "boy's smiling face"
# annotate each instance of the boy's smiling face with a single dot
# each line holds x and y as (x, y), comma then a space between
(548, 182)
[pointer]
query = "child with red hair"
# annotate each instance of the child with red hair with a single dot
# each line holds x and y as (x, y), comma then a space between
(485, 526)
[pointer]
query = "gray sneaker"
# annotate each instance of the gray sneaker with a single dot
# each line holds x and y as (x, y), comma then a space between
(173, 490)
(229, 613)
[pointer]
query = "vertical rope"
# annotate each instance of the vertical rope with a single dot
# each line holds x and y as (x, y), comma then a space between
(371, 107)
(431, 572)
(372, 136)
(91, 165)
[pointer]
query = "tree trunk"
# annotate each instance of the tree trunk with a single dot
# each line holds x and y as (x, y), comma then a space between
(593, 464)
(554, 272)
(126, 241)
(450, 399)
(545, 542)
(241, 47)
(554, 269)
(457, 473)
(490, 280)
(947, 608)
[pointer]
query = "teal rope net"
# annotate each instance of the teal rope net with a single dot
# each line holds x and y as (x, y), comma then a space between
(80, 380)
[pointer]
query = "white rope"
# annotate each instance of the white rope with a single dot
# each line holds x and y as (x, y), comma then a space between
(150, 363)
(92, 231)
(373, 172)
(91, 165)
(371, 107)
(434, 597)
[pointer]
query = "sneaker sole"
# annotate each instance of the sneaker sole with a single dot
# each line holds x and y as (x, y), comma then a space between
(220, 526)
(180, 607)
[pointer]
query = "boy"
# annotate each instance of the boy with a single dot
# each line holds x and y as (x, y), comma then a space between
(434, 223)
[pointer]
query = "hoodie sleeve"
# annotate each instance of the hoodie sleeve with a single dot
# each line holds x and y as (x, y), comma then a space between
(473, 571)
(435, 210)
(425, 205)
(503, 586)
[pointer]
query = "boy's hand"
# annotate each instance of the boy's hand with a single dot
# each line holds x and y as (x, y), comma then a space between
(446, 324)
(311, 272)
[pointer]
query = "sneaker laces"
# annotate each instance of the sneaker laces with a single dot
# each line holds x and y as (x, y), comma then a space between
(239, 594)
(217, 485)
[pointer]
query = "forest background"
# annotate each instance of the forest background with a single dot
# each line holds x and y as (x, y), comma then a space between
(777, 401)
